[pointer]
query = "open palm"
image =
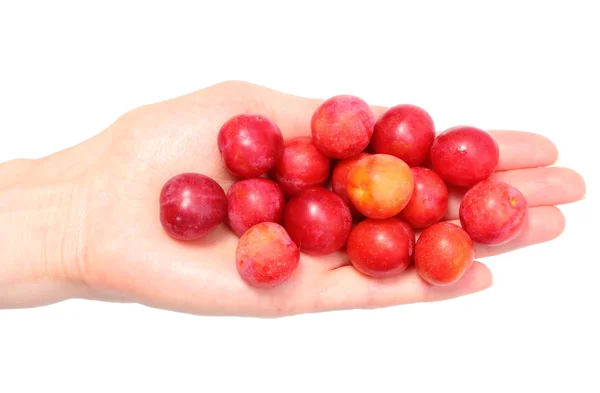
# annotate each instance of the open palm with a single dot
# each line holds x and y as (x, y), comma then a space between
(128, 256)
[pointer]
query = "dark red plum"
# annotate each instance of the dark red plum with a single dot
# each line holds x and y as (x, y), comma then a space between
(379, 248)
(463, 156)
(405, 131)
(429, 200)
(252, 201)
(300, 167)
(410, 232)
(318, 221)
(191, 206)
(250, 145)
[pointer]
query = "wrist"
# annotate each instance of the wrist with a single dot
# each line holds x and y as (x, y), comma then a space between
(41, 234)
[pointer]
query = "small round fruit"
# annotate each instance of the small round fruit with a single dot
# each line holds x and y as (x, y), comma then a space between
(405, 131)
(380, 186)
(342, 126)
(339, 180)
(410, 232)
(300, 167)
(379, 248)
(252, 201)
(493, 212)
(463, 156)
(429, 200)
(191, 206)
(266, 256)
(443, 253)
(250, 144)
(318, 221)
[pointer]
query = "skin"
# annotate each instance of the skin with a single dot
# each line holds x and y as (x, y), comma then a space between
(99, 198)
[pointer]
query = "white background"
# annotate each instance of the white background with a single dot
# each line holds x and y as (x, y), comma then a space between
(69, 69)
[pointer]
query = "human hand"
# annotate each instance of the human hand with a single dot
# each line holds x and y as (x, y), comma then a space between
(103, 239)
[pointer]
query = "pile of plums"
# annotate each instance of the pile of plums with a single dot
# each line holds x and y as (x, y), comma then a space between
(359, 184)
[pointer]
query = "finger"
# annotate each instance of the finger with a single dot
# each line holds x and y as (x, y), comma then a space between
(540, 186)
(329, 261)
(544, 223)
(346, 288)
(524, 150)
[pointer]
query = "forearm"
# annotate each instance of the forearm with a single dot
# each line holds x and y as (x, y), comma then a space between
(36, 249)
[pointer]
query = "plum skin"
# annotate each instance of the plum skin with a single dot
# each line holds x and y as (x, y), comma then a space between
(380, 186)
(443, 254)
(318, 221)
(405, 131)
(410, 232)
(250, 144)
(339, 180)
(252, 201)
(379, 248)
(463, 155)
(300, 167)
(493, 212)
(191, 206)
(429, 200)
(266, 256)
(342, 126)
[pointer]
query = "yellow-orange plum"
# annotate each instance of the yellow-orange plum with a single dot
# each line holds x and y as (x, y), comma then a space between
(380, 186)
